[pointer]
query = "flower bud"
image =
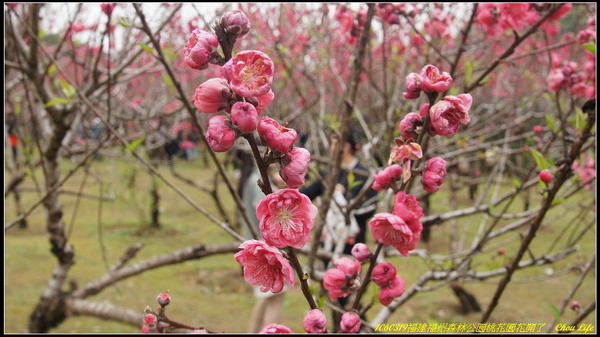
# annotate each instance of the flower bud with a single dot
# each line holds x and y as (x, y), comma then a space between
(245, 116)
(212, 95)
(546, 176)
(219, 135)
(350, 322)
(383, 273)
(538, 129)
(315, 322)
(163, 299)
(575, 305)
(360, 251)
(235, 22)
(200, 49)
(294, 166)
(434, 174)
(276, 136)
(108, 8)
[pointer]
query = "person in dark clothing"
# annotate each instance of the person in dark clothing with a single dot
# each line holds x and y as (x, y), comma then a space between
(352, 170)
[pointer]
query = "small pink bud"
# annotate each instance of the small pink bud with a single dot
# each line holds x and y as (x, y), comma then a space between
(276, 136)
(538, 129)
(546, 176)
(575, 305)
(212, 95)
(315, 322)
(219, 135)
(434, 174)
(108, 8)
(409, 124)
(245, 116)
(383, 273)
(501, 251)
(276, 328)
(387, 177)
(149, 319)
(236, 23)
(163, 299)
(200, 49)
(294, 166)
(360, 251)
(350, 322)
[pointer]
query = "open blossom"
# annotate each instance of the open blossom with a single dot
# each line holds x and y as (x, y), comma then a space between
(387, 177)
(249, 73)
(433, 177)
(276, 328)
(432, 80)
(360, 251)
(212, 96)
(264, 266)
(383, 274)
(350, 322)
(276, 136)
(342, 280)
(404, 151)
(245, 116)
(449, 112)
(401, 229)
(236, 22)
(286, 218)
(200, 49)
(409, 124)
(219, 134)
(393, 290)
(294, 167)
(315, 322)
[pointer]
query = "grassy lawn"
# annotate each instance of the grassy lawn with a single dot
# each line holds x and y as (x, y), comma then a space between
(211, 291)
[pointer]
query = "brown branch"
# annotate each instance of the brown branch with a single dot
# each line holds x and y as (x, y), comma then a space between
(345, 114)
(511, 49)
(186, 254)
(79, 307)
(561, 176)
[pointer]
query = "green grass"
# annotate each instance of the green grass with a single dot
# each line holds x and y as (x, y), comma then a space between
(211, 291)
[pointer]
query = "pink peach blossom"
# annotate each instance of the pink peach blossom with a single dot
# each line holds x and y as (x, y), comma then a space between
(360, 251)
(383, 274)
(390, 229)
(219, 134)
(315, 322)
(276, 136)
(286, 218)
(432, 80)
(276, 328)
(236, 22)
(108, 8)
(200, 49)
(245, 116)
(294, 165)
(249, 73)
(212, 95)
(413, 86)
(387, 177)
(393, 290)
(350, 322)
(449, 112)
(433, 177)
(264, 266)
(342, 280)
(409, 124)
(404, 151)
